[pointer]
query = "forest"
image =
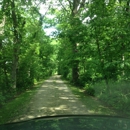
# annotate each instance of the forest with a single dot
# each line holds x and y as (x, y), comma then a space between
(90, 46)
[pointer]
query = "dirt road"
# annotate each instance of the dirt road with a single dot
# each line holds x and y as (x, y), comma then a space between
(53, 98)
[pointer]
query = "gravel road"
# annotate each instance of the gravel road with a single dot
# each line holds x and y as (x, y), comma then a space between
(53, 98)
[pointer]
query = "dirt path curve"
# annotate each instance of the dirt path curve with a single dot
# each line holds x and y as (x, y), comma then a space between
(53, 98)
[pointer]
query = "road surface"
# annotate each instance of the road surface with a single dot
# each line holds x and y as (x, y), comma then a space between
(53, 98)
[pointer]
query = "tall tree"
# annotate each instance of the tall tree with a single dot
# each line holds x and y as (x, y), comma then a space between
(73, 12)
(25, 50)
(96, 38)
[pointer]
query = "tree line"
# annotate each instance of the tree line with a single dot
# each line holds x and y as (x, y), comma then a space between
(94, 38)
(26, 53)
(92, 42)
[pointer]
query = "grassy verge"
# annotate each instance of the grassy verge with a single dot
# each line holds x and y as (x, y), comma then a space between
(118, 98)
(117, 102)
(93, 105)
(15, 107)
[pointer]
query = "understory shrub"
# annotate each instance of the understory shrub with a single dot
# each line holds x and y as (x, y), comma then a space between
(89, 90)
(83, 79)
(119, 96)
(2, 99)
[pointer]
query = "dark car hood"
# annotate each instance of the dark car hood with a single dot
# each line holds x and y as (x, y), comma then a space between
(71, 122)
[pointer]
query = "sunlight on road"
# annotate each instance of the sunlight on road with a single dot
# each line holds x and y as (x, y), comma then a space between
(59, 81)
(53, 98)
(64, 97)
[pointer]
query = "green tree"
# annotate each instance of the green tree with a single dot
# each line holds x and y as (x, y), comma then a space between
(96, 40)
(26, 53)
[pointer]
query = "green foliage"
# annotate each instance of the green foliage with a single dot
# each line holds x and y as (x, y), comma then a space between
(84, 78)
(2, 99)
(119, 96)
(94, 106)
(98, 48)
(12, 109)
(26, 53)
(89, 90)
(90, 46)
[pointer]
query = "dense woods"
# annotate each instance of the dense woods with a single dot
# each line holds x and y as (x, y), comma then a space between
(91, 47)
(96, 38)
(26, 53)
(94, 48)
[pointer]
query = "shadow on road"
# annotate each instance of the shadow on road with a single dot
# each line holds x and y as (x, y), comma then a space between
(53, 98)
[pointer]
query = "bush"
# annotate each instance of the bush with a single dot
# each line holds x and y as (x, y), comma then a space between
(83, 79)
(89, 90)
(119, 96)
(2, 99)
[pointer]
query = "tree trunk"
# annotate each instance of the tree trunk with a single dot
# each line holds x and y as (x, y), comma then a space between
(15, 45)
(105, 76)
(75, 7)
(75, 72)
(75, 69)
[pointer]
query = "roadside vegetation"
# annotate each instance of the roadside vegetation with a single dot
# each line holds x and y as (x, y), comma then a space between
(100, 102)
(118, 98)
(11, 109)
(90, 47)
(94, 50)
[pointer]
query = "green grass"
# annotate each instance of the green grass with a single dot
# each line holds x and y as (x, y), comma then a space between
(93, 105)
(118, 98)
(14, 107)
(117, 102)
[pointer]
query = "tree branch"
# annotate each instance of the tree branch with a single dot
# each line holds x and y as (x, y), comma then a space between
(70, 4)
(63, 6)
(82, 4)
